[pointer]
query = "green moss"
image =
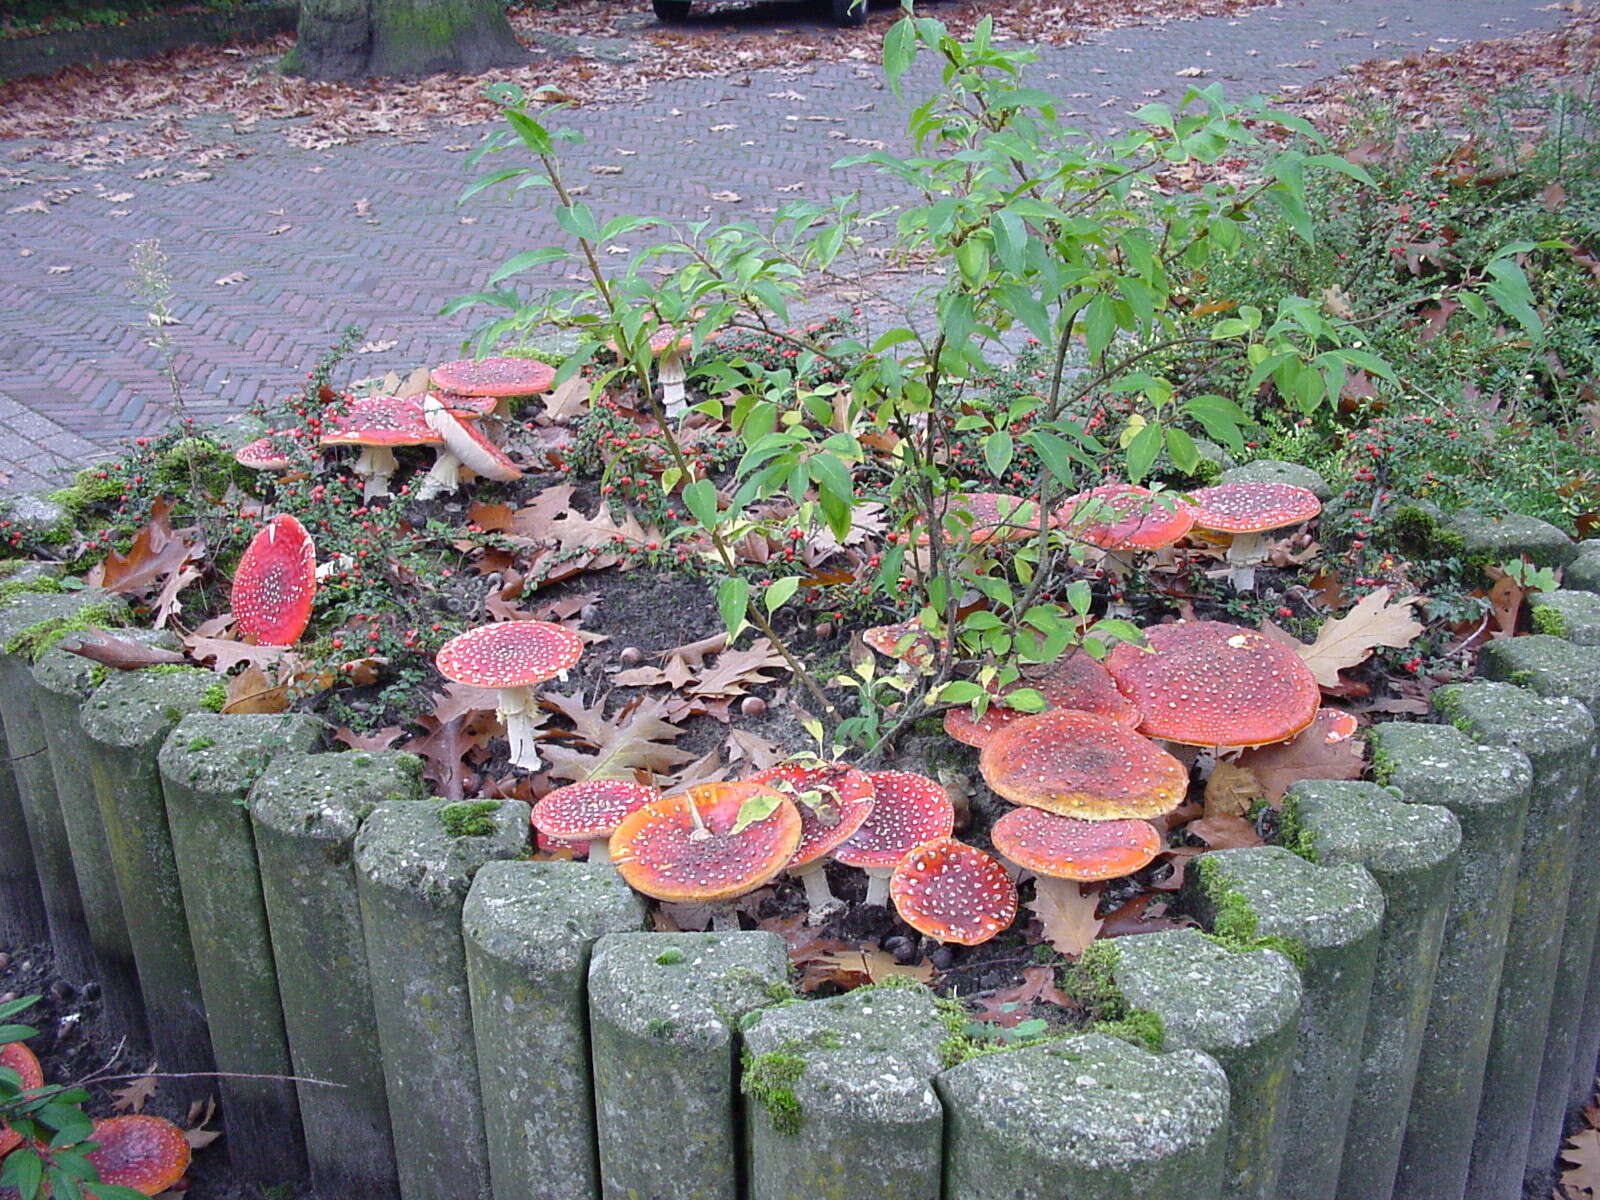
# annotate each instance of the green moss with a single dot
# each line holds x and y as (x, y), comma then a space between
(1292, 833)
(215, 699)
(1092, 983)
(1551, 621)
(769, 1079)
(660, 1028)
(1418, 531)
(85, 492)
(202, 743)
(98, 674)
(1141, 1027)
(45, 585)
(194, 462)
(1383, 764)
(1236, 926)
(669, 957)
(468, 818)
(32, 642)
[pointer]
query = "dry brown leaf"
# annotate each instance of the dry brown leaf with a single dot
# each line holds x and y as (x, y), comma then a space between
(1224, 833)
(637, 740)
(1348, 641)
(1307, 756)
(736, 671)
(136, 1095)
(1066, 914)
(874, 965)
(566, 401)
(250, 691)
(123, 653)
(1231, 790)
(1580, 1158)
(1009, 1006)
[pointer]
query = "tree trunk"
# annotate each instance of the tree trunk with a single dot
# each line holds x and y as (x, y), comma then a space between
(358, 39)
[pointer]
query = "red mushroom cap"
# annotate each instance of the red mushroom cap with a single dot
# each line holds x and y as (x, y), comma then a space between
(509, 654)
(994, 517)
(1207, 683)
(20, 1059)
(886, 640)
(1080, 765)
(1126, 517)
(1074, 681)
(953, 892)
(592, 809)
(907, 810)
(468, 408)
(847, 799)
(263, 454)
(1338, 725)
(503, 375)
(381, 421)
(1068, 848)
(468, 443)
(275, 582)
(1253, 507)
(144, 1153)
(658, 850)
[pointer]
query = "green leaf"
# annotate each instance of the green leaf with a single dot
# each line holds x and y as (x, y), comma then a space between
(1025, 700)
(23, 1171)
(781, 592)
(757, 808)
(701, 498)
(899, 50)
(1511, 291)
(526, 261)
(1182, 448)
(960, 691)
(578, 220)
(998, 451)
(733, 597)
(1142, 451)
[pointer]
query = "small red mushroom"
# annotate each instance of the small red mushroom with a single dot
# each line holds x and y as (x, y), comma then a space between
(1121, 520)
(1069, 848)
(140, 1152)
(378, 424)
(514, 657)
(953, 892)
(1247, 512)
(989, 517)
(496, 379)
(590, 811)
(908, 643)
(264, 454)
(907, 810)
(1080, 765)
(833, 800)
(275, 583)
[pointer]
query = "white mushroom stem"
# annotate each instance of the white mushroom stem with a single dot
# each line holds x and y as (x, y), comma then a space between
(375, 466)
(444, 477)
(819, 896)
(600, 850)
(671, 374)
(878, 886)
(516, 709)
(1246, 552)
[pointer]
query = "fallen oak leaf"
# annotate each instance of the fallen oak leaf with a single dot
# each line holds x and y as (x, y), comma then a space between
(136, 1095)
(1066, 913)
(1348, 641)
(1224, 832)
(1008, 1007)
(873, 966)
(1308, 755)
(637, 740)
(125, 654)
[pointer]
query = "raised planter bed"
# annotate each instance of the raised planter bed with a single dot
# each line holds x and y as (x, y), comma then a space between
(143, 37)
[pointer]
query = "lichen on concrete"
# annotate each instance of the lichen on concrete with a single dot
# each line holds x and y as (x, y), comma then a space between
(1549, 666)
(1511, 536)
(325, 797)
(214, 753)
(1354, 822)
(139, 708)
(1583, 572)
(406, 847)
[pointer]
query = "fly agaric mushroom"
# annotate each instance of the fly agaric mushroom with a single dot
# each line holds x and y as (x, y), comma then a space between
(1079, 765)
(465, 445)
(140, 1152)
(515, 657)
(1120, 520)
(1248, 512)
(378, 424)
(275, 582)
(590, 812)
(703, 846)
(17, 1057)
(907, 642)
(953, 892)
(1340, 726)
(1217, 686)
(669, 347)
(498, 379)
(991, 517)
(1074, 681)
(264, 454)
(907, 810)
(834, 800)
(1070, 848)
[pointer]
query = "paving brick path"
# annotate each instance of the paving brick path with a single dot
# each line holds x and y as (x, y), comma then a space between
(77, 373)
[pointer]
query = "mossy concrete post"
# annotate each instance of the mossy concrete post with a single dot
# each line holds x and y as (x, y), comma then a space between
(1327, 919)
(46, 833)
(663, 1015)
(1552, 666)
(1555, 734)
(1411, 850)
(208, 764)
(1573, 615)
(1583, 572)
(833, 1086)
(1503, 537)
(1241, 1007)
(530, 927)
(414, 865)
(22, 919)
(1487, 789)
(307, 809)
(63, 681)
(1085, 1118)
(124, 723)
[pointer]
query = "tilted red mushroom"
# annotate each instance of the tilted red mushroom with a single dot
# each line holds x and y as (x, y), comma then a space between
(590, 812)
(1080, 765)
(16, 1057)
(989, 517)
(833, 800)
(1122, 520)
(907, 810)
(499, 378)
(1219, 686)
(140, 1152)
(690, 847)
(1248, 512)
(378, 424)
(953, 892)
(275, 583)
(465, 446)
(1075, 681)
(1069, 848)
(514, 657)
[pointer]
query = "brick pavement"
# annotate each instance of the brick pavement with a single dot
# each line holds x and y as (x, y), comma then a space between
(77, 372)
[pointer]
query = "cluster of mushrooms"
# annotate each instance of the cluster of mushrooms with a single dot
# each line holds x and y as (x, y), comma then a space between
(146, 1154)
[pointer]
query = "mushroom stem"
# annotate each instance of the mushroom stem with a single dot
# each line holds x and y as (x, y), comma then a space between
(445, 476)
(819, 896)
(375, 466)
(701, 833)
(599, 850)
(516, 710)
(671, 374)
(878, 886)
(1245, 552)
